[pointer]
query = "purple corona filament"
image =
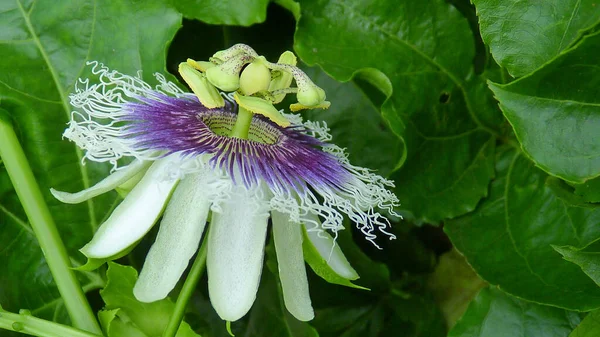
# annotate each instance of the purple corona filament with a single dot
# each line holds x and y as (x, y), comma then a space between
(284, 158)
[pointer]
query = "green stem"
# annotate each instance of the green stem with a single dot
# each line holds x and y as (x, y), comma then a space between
(44, 228)
(27, 324)
(242, 124)
(188, 288)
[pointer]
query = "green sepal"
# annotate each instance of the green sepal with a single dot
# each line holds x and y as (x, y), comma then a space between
(228, 328)
(126, 187)
(320, 266)
(262, 107)
(93, 263)
(203, 89)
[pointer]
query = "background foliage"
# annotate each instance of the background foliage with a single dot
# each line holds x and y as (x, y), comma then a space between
(486, 115)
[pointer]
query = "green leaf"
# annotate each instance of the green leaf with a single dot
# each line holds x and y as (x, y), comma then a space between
(587, 258)
(45, 47)
(494, 313)
(446, 177)
(291, 6)
(556, 115)
(590, 190)
(423, 314)
(114, 326)
(589, 326)
(150, 318)
(454, 284)
(508, 239)
(356, 125)
(420, 56)
(524, 35)
(224, 12)
(414, 315)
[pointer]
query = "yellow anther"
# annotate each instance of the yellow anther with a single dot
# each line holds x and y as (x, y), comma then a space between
(297, 106)
(262, 107)
(207, 94)
(200, 65)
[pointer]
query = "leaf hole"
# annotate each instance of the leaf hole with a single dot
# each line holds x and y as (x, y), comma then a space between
(444, 97)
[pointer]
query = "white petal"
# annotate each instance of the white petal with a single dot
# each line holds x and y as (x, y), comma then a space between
(177, 240)
(331, 252)
(109, 183)
(292, 271)
(134, 217)
(235, 253)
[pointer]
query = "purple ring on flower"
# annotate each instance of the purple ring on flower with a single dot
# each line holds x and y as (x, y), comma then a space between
(284, 158)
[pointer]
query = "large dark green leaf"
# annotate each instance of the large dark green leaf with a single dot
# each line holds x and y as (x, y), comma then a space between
(556, 115)
(399, 308)
(224, 12)
(590, 190)
(587, 258)
(414, 315)
(589, 326)
(454, 284)
(45, 46)
(525, 34)
(420, 55)
(494, 313)
(508, 238)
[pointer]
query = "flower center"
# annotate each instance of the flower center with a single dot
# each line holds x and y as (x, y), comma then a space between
(222, 124)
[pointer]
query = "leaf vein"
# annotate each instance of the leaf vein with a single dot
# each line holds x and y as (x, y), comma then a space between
(63, 98)
(29, 95)
(562, 40)
(16, 219)
(507, 221)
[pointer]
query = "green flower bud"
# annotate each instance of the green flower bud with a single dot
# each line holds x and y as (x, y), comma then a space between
(255, 77)
(207, 94)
